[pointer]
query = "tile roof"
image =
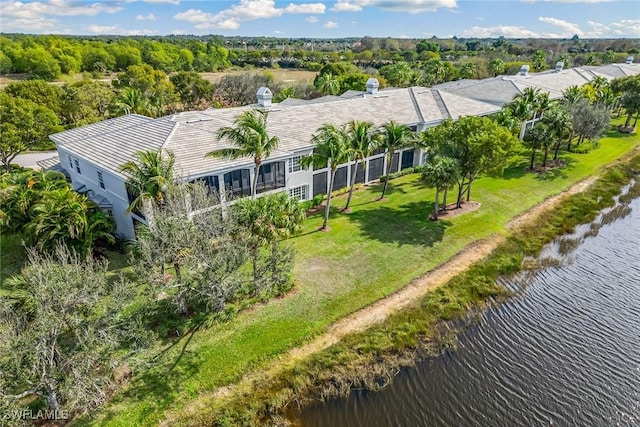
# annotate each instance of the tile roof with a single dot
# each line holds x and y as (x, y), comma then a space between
(192, 134)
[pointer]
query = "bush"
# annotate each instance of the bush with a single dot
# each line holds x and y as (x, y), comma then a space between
(403, 172)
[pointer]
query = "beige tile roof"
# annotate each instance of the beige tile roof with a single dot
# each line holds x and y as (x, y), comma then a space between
(190, 135)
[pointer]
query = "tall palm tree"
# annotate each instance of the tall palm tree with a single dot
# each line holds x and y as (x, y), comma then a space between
(331, 147)
(149, 176)
(393, 136)
(250, 137)
(361, 139)
(399, 74)
(560, 123)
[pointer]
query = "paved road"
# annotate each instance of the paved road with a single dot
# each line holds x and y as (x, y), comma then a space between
(29, 160)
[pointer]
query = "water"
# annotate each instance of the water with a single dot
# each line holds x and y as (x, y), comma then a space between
(565, 351)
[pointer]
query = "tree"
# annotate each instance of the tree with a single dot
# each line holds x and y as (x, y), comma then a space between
(393, 137)
(62, 322)
(571, 95)
(191, 88)
(558, 119)
(266, 221)
(23, 125)
(240, 89)
(479, 145)
(328, 84)
(441, 173)
(331, 147)
(589, 121)
(629, 88)
(152, 84)
(537, 137)
(250, 137)
(468, 71)
(539, 60)
(497, 67)
(361, 139)
(148, 177)
(397, 74)
(86, 102)
(132, 101)
(39, 92)
(190, 233)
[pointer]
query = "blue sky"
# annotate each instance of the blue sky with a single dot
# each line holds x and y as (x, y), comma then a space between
(327, 18)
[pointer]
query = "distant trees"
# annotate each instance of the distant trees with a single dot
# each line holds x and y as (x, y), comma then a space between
(153, 85)
(250, 139)
(192, 89)
(629, 90)
(240, 89)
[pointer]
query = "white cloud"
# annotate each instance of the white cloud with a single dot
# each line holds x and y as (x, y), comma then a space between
(40, 15)
(115, 30)
(244, 10)
(149, 17)
(278, 32)
(179, 32)
(318, 8)
(330, 24)
(311, 19)
(499, 30)
(346, 6)
(569, 28)
(102, 29)
(410, 6)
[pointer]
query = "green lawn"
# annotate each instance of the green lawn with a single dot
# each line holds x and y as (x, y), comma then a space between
(12, 255)
(367, 255)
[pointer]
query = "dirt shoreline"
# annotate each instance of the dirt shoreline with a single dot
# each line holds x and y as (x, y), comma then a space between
(378, 311)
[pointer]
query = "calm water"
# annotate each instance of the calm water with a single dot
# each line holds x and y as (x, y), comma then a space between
(565, 352)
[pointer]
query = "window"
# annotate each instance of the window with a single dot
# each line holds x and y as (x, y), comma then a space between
(70, 162)
(270, 177)
(77, 166)
(211, 182)
(100, 180)
(300, 193)
(238, 183)
(294, 164)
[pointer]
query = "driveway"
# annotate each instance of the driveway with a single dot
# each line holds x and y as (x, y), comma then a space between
(29, 160)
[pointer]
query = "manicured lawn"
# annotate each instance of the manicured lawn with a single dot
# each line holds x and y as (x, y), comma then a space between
(12, 255)
(367, 255)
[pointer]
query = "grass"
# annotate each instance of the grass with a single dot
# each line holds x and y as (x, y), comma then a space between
(12, 255)
(367, 255)
(370, 359)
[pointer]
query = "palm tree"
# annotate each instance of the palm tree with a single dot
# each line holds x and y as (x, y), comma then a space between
(399, 74)
(571, 95)
(442, 173)
(497, 66)
(537, 137)
(361, 138)
(468, 70)
(328, 84)
(250, 137)
(393, 137)
(132, 100)
(561, 126)
(331, 147)
(149, 177)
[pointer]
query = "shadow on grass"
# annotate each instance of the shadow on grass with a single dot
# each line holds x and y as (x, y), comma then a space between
(161, 384)
(407, 224)
(521, 169)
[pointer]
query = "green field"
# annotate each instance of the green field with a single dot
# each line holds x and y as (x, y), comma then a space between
(368, 254)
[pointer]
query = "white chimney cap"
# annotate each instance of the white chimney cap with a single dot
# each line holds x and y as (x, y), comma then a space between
(372, 85)
(524, 70)
(629, 59)
(264, 97)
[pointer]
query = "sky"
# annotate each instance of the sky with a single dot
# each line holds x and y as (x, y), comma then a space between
(327, 18)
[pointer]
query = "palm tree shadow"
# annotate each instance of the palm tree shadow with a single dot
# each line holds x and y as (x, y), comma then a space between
(404, 225)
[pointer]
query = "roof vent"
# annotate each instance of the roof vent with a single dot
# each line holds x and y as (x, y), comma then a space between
(629, 60)
(372, 86)
(264, 97)
(524, 70)
(559, 66)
